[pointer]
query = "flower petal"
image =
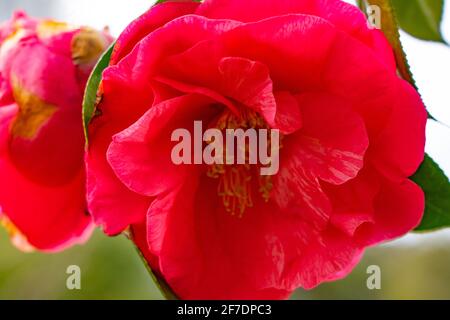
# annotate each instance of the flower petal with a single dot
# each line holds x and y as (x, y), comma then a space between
(199, 243)
(232, 81)
(399, 148)
(330, 147)
(147, 23)
(52, 218)
(344, 16)
(398, 208)
(112, 204)
(141, 155)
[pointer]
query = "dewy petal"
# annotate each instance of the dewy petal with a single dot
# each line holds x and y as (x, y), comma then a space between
(141, 154)
(344, 16)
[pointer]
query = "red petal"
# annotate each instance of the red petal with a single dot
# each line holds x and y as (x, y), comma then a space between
(200, 244)
(344, 16)
(156, 17)
(330, 147)
(141, 154)
(112, 205)
(228, 79)
(398, 209)
(399, 148)
(51, 218)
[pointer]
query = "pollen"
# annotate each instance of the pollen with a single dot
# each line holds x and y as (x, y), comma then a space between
(240, 184)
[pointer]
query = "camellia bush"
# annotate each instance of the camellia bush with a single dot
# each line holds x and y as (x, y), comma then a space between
(248, 148)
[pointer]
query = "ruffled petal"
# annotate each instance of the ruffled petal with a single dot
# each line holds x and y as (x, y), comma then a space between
(267, 252)
(113, 205)
(147, 23)
(141, 155)
(199, 243)
(398, 209)
(344, 16)
(330, 147)
(234, 81)
(400, 147)
(373, 209)
(128, 83)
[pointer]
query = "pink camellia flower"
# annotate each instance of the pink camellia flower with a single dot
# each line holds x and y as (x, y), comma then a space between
(44, 66)
(351, 133)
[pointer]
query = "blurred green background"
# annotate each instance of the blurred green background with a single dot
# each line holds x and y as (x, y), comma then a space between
(414, 268)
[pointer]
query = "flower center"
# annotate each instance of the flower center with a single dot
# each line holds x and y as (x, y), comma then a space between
(239, 182)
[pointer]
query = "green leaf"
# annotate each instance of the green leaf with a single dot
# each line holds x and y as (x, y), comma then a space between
(421, 18)
(362, 5)
(90, 98)
(437, 195)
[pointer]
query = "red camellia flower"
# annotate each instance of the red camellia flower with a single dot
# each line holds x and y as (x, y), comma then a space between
(44, 66)
(351, 133)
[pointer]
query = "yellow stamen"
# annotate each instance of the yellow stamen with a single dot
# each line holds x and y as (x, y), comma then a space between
(236, 181)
